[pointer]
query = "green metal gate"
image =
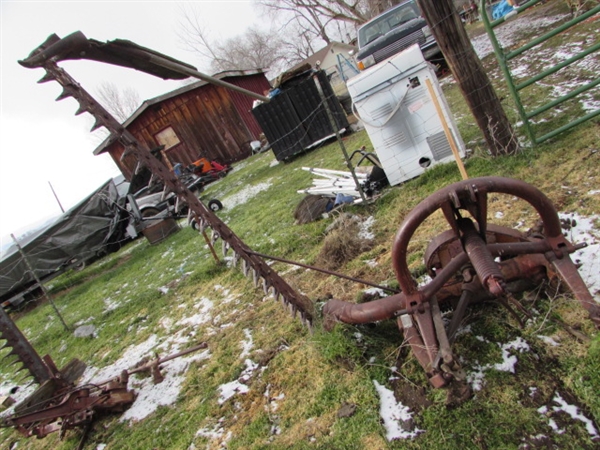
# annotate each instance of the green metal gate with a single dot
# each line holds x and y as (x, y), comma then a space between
(504, 56)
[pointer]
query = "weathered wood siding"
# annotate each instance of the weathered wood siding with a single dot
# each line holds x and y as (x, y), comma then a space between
(209, 121)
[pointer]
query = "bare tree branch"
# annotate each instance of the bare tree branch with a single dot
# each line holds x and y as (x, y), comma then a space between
(193, 34)
(356, 12)
(254, 49)
(120, 104)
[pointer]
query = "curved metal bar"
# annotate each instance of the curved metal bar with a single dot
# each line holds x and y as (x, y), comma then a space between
(358, 313)
(462, 190)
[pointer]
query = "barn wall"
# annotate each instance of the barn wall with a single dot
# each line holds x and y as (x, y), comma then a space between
(209, 121)
(243, 103)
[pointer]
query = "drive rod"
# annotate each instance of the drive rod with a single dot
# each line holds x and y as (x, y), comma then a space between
(201, 76)
(328, 272)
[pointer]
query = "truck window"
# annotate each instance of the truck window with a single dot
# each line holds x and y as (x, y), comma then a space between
(387, 22)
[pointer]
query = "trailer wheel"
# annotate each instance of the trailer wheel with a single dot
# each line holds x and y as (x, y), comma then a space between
(215, 205)
(150, 212)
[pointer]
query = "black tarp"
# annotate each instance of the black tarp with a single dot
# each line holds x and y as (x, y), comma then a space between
(80, 234)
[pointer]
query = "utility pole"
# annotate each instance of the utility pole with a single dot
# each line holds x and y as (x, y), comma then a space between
(38, 281)
(56, 197)
(476, 87)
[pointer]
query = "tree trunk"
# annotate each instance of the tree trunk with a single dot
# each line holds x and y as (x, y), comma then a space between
(376, 7)
(446, 26)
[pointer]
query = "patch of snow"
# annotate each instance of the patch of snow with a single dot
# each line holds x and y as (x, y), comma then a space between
(548, 340)
(166, 323)
(499, 215)
(49, 323)
(371, 262)
(290, 270)
(232, 388)
(215, 432)
(532, 391)
(463, 330)
(590, 105)
(150, 396)
(365, 228)
(509, 361)
(111, 304)
(22, 392)
(509, 31)
(374, 291)
(424, 280)
(573, 411)
(477, 375)
(84, 321)
(475, 378)
(239, 166)
(247, 344)
(164, 290)
(585, 231)
(245, 194)
(130, 358)
(394, 414)
(520, 71)
(204, 306)
(272, 404)
(228, 297)
(551, 422)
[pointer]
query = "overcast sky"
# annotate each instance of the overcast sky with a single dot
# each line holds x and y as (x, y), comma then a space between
(41, 140)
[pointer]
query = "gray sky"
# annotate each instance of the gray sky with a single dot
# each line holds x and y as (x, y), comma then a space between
(41, 140)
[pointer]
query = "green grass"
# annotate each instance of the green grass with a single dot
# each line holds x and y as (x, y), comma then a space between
(304, 379)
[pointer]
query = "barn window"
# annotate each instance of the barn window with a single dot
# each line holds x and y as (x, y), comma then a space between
(167, 137)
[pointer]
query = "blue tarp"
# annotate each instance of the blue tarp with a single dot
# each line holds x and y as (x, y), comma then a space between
(501, 9)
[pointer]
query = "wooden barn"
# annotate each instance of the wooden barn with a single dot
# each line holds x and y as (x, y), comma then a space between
(197, 120)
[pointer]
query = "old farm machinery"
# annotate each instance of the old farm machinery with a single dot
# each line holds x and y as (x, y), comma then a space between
(471, 261)
(58, 404)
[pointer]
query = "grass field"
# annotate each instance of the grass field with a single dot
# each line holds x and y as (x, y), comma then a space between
(265, 381)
